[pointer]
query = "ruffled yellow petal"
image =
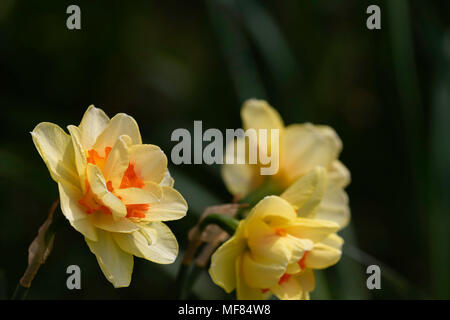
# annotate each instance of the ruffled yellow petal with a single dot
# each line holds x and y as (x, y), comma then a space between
(243, 291)
(136, 196)
(167, 180)
(92, 125)
(297, 247)
(150, 162)
(154, 242)
(223, 262)
(334, 241)
(304, 147)
(296, 287)
(307, 192)
(56, 149)
(338, 175)
(293, 268)
(312, 229)
(307, 280)
(121, 124)
(80, 156)
(273, 210)
(155, 188)
(334, 207)
(86, 228)
(260, 275)
(117, 162)
(109, 223)
(68, 197)
(322, 256)
(288, 290)
(239, 176)
(258, 114)
(268, 246)
(116, 264)
(331, 135)
(171, 206)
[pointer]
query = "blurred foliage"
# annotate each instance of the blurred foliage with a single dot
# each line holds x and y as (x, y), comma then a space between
(386, 92)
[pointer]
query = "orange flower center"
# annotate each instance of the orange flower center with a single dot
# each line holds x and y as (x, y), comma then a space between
(136, 210)
(129, 180)
(96, 159)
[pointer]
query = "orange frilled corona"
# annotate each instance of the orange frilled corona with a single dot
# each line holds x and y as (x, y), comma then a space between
(129, 180)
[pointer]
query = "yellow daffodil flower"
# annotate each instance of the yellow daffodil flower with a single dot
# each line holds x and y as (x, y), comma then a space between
(273, 251)
(113, 189)
(302, 148)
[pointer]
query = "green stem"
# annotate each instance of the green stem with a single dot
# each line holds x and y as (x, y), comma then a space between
(20, 293)
(182, 281)
(187, 275)
(194, 273)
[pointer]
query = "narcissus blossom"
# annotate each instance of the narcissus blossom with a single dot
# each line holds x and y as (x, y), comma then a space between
(273, 251)
(302, 148)
(113, 189)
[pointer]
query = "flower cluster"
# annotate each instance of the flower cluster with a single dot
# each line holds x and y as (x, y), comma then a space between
(117, 192)
(284, 238)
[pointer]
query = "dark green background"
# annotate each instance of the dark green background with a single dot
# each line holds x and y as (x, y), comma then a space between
(386, 92)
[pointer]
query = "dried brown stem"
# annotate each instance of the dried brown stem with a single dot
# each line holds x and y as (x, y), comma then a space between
(40, 248)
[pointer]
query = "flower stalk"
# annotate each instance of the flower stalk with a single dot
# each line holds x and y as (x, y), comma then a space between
(215, 226)
(38, 251)
(226, 223)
